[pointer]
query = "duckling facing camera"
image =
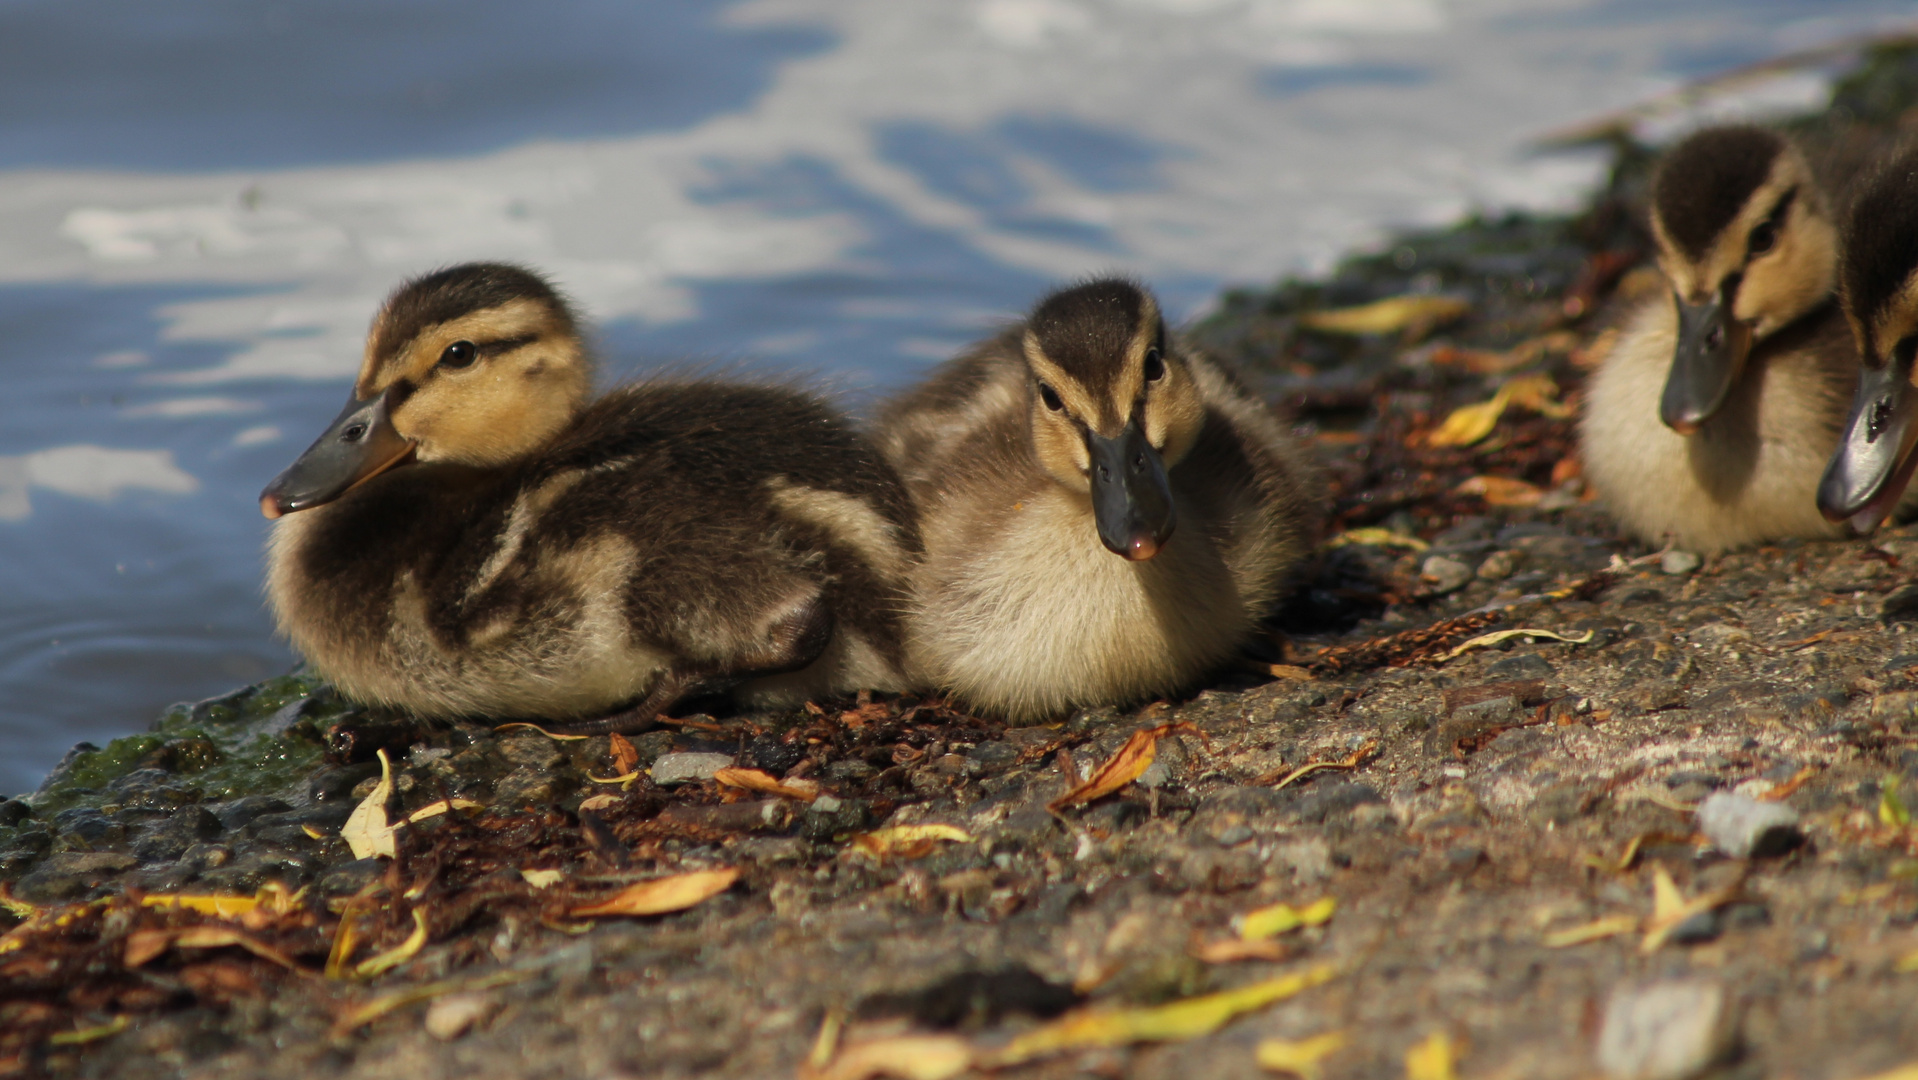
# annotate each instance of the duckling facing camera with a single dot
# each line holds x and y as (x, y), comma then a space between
(1106, 515)
(474, 536)
(1711, 421)
(1870, 471)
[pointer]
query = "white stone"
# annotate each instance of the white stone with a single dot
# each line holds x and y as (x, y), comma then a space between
(683, 766)
(1668, 1030)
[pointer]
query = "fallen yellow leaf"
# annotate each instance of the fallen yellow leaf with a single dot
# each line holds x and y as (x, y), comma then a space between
(1351, 761)
(1670, 908)
(1186, 1019)
(1538, 393)
(908, 841)
(661, 895)
(435, 809)
(908, 1057)
(622, 778)
(1902, 1072)
(1391, 315)
(1891, 809)
(367, 831)
(365, 1014)
(755, 780)
(381, 963)
(1133, 759)
(1906, 964)
(1300, 1057)
(825, 1045)
(1377, 537)
(1279, 918)
(542, 879)
(1598, 929)
(226, 907)
(1468, 424)
(1434, 1059)
(1488, 640)
(91, 1034)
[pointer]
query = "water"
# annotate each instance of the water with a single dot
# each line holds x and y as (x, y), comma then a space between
(201, 202)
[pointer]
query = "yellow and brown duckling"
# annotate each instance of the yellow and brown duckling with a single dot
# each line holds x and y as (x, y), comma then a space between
(1107, 515)
(475, 535)
(1870, 471)
(1711, 421)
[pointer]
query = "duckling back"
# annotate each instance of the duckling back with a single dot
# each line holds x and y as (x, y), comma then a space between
(1036, 594)
(672, 536)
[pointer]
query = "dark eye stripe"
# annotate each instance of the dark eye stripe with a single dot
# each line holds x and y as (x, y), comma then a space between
(506, 345)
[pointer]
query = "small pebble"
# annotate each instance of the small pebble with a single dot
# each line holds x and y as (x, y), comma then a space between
(1676, 562)
(684, 766)
(1444, 574)
(1744, 828)
(455, 1014)
(1499, 565)
(1664, 1031)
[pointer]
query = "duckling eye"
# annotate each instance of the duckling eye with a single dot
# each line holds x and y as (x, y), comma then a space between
(1154, 365)
(459, 354)
(1762, 238)
(1051, 397)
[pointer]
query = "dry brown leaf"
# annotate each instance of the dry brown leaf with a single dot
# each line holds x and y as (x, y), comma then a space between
(226, 907)
(1394, 314)
(625, 758)
(1538, 393)
(907, 1057)
(1179, 1020)
(1233, 950)
(755, 780)
(1670, 908)
(143, 945)
(1288, 672)
(661, 895)
(1487, 640)
(1133, 759)
(908, 841)
(367, 831)
(1501, 491)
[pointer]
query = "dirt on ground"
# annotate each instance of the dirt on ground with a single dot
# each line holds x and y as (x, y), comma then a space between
(1500, 794)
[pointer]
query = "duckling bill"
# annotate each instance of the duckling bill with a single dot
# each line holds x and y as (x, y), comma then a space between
(475, 536)
(1871, 469)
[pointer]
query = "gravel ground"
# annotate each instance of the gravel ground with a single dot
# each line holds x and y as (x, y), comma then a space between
(1673, 844)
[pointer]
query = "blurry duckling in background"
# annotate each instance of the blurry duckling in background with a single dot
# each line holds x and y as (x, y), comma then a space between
(1107, 516)
(1711, 420)
(1870, 471)
(473, 536)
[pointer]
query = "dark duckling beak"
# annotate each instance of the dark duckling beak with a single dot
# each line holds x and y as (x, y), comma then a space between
(1873, 463)
(360, 444)
(1131, 497)
(1712, 346)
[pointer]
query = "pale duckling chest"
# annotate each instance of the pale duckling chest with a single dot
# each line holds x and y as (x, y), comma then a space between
(1026, 611)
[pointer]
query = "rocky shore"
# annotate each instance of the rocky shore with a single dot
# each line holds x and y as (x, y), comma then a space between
(1578, 808)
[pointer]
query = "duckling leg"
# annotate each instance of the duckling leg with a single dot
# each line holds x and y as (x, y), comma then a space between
(792, 641)
(640, 716)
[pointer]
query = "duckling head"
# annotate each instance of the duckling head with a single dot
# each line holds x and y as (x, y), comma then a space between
(1873, 464)
(1113, 407)
(479, 364)
(1745, 237)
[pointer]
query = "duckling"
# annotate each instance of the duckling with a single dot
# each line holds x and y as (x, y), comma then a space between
(1711, 420)
(1106, 514)
(474, 536)
(1870, 470)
